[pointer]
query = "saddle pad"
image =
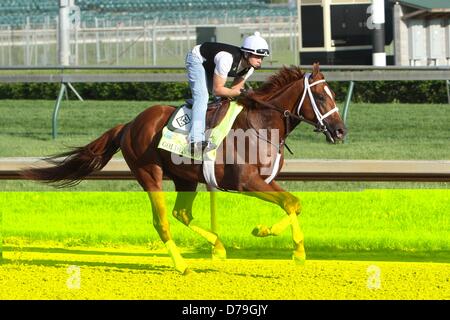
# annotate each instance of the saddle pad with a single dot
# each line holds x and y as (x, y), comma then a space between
(175, 133)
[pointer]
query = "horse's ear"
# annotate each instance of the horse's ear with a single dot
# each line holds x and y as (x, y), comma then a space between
(316, 69)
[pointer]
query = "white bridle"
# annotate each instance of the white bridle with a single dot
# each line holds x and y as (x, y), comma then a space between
(307, 89)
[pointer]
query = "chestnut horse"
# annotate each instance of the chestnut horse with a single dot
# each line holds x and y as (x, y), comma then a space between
(288, 98)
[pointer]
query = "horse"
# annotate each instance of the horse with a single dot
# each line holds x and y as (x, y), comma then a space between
(286, 99)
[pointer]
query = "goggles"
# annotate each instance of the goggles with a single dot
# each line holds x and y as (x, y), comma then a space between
(262, 52)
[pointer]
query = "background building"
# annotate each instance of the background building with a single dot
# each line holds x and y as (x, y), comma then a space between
(340, 32)
(422, 32)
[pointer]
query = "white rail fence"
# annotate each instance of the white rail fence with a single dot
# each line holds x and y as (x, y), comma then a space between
(294, 170)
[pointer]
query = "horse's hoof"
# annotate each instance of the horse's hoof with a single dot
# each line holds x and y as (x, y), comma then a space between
(261, 231)
(219, 254)
(299, 258)
(188, 271)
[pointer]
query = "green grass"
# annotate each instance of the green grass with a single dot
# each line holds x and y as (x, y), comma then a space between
(27, 125)
(407, 222)
(394, 131)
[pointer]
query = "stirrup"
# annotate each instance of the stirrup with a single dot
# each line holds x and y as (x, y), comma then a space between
(201, 147)
(209, 146)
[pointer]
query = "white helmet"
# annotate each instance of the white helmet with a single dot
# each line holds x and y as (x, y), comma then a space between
(256, 45)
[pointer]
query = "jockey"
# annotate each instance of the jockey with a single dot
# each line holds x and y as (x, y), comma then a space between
(208, 67)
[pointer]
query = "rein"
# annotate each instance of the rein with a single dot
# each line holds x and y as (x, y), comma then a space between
(287, 117)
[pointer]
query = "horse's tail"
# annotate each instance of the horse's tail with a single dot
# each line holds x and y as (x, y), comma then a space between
(79, 162)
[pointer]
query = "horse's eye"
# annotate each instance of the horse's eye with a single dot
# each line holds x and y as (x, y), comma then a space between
(321, 98)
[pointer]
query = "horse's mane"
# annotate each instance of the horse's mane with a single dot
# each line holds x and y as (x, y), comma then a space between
(274, 84)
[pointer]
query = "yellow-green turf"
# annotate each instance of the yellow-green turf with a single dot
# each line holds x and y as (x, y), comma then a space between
(138, 273)
(388, 222)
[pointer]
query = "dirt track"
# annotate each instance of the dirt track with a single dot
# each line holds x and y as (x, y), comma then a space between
(126, 274)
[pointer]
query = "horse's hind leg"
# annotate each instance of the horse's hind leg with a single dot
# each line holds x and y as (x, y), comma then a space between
(182, 211)
(150, 179)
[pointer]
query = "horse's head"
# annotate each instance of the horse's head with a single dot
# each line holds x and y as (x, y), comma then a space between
(317, 106)
(300, 97)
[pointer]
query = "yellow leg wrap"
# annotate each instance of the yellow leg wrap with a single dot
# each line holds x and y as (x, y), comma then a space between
(174, 253)
(209, 236)
(297, 234)
(280, 226)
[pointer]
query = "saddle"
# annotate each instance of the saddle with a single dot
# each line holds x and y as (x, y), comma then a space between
(215, 112)
(180, 121)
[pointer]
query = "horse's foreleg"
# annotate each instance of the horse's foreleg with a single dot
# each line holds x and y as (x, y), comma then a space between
(290, 204)
(183, 212)
(280, 226)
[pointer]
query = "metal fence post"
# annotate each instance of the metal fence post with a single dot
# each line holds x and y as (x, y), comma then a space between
(58, 105)
(348, 98)
(56, 110)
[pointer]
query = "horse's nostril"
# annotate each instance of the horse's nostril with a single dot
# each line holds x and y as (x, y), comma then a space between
(340, 133)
